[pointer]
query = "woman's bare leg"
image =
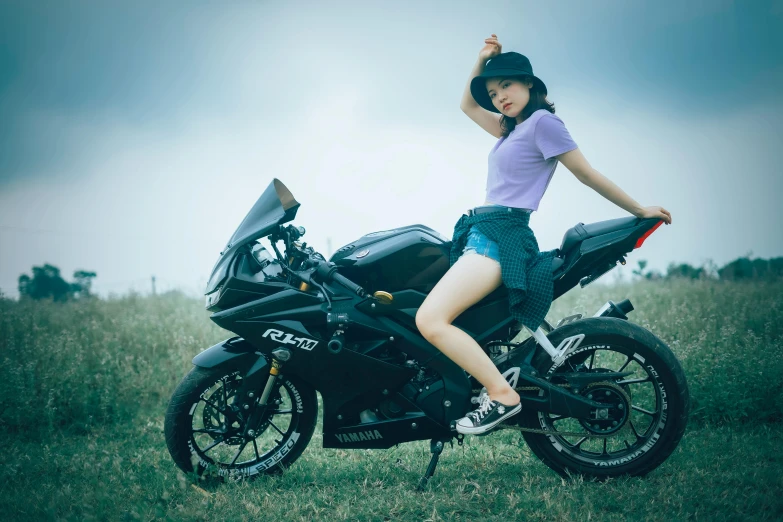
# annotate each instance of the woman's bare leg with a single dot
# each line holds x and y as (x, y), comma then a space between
(467, 282)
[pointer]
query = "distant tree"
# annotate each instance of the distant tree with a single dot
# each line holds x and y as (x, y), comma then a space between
(82, 283)
(650, 275)
(776, 266)
(47, 283)
(741, 268)
(745, 268)
(683, 270)
(639, 271)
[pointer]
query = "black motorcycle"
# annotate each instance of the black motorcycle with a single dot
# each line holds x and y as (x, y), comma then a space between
(601, 396)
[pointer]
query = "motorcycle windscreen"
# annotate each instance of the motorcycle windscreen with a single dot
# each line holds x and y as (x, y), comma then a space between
(275, 207)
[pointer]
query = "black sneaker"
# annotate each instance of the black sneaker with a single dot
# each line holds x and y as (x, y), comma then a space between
(486, 416)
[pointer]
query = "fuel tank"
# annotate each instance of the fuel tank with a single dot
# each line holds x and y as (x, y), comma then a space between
(413, 257)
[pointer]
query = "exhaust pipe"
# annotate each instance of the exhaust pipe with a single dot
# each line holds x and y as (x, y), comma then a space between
(619, 310)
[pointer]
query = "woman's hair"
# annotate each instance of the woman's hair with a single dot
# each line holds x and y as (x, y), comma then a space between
(537, 101)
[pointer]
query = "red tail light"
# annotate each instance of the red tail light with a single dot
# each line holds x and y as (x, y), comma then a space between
(646, 234)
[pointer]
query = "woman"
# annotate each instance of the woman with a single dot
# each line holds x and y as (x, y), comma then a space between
(509, 102)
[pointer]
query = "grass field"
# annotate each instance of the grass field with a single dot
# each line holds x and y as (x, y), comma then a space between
(83, 389)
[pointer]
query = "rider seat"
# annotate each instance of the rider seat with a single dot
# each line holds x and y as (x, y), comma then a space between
(579, 232)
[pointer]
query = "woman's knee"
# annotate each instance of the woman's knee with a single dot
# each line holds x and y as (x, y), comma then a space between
(428, 323)
(464, 284)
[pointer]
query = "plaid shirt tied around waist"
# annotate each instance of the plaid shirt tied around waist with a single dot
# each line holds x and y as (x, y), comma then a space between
(526, 272)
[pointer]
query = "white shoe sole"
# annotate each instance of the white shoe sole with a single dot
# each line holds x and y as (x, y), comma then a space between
(481, 429)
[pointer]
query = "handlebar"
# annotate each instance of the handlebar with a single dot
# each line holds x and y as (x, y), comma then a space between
(327, 271)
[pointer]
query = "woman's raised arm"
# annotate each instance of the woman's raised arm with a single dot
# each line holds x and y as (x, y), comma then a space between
(489, 121)
(575, 161)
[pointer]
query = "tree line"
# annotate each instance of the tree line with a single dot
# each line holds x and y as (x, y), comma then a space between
(739, 269)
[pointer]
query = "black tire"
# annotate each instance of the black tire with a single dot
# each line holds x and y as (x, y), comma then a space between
(201, 397)
(667, 386)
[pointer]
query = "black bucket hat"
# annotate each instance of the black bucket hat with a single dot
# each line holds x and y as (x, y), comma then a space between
(507, 65)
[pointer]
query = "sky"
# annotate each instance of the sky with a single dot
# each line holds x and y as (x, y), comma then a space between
(135, 136)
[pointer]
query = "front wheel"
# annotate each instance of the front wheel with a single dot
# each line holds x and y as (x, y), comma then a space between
(650, 406)
(204, 429)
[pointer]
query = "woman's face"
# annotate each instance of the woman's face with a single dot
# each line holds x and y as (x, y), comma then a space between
(509, 95)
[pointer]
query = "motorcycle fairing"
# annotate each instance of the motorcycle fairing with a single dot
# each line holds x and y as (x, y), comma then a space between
(348, 381)
(242, 279)
(223, 352)
(384, 433)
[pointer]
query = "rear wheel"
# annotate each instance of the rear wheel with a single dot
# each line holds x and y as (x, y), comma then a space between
(650, 406)
(205, 430)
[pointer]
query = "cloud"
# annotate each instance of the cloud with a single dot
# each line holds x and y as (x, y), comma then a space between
(144, 134)
(148, 203)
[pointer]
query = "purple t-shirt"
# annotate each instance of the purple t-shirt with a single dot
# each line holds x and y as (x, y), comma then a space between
(521, 164)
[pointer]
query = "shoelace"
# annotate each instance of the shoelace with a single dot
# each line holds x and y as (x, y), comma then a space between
(484, 406)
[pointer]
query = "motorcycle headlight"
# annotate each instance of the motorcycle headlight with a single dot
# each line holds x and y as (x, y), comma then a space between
(213, 297)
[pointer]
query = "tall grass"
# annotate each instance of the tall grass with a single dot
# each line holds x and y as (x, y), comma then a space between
(75, 365)
(83, 388)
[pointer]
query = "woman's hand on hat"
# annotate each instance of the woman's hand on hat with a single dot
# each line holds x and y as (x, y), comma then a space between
(656, 212)
(491, 48)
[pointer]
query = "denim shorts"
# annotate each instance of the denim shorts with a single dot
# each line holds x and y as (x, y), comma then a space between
(478, 243)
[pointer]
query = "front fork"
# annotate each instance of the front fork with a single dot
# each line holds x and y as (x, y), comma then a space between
(273, 373)
(256, 408)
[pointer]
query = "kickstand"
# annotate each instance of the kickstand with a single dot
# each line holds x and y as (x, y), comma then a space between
(436, 447)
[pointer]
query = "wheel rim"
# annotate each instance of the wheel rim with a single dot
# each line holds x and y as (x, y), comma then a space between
(217, 439)
(644, 423)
